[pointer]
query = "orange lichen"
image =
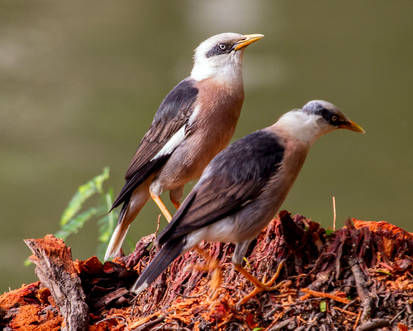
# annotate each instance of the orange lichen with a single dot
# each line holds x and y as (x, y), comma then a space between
(33, 317)
(316, 264)
(19, 296)
(53, 246)
(381, 226)
(90, 266)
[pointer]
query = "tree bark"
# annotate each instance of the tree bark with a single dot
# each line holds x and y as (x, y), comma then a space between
(56, 271)
(356, 278)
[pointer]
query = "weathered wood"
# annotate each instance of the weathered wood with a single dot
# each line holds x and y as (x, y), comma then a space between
(374, 324)
(357, 277)
(56, 271)
(362, 290)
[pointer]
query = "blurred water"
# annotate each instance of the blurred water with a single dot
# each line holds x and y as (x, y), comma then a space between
(80, 82)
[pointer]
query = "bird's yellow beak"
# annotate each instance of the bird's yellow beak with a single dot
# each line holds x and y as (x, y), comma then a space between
(352, 126)
(248, 39)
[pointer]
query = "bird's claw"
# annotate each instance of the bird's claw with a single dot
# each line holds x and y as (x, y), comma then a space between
(212, 265)
(261, 286)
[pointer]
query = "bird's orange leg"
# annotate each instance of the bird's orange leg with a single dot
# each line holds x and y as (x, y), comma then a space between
(216, 277)
(259, 286)
(176, 195)
(176, 204)
(161, 206)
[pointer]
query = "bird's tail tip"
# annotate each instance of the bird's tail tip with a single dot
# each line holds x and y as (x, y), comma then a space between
(109, 254)
(160, 262)
(116, 241)
(138, 288)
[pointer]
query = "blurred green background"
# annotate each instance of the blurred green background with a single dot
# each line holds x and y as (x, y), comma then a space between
(81, 81)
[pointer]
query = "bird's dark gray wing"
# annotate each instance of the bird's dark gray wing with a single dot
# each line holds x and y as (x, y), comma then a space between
(233, 178)
(171, 116)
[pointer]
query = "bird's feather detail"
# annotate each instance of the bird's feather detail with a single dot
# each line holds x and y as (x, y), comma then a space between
(166, 255)
(235, 176)
(165, 134)
(172, 143)
(138, 178)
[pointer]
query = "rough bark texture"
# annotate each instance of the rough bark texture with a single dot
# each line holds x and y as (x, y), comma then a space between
(56, 271)
(357, 278)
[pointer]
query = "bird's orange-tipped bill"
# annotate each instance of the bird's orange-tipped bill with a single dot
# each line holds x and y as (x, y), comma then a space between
(352, 126)
(248, 39)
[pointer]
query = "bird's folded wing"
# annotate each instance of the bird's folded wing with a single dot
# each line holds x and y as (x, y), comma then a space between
(234, 177)
(164, 135)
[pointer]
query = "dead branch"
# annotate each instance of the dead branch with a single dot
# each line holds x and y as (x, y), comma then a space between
(55, 270)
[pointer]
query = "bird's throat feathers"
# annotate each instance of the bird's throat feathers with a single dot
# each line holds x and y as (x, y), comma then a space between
(227, 71)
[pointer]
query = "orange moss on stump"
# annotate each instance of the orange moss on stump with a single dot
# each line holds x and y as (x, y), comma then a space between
(34, 308)
(318, 271)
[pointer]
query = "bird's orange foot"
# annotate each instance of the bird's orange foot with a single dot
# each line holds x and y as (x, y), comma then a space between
(260, 286)
(211, 266)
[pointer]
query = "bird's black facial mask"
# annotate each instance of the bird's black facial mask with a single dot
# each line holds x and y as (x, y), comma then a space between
(330, 117)
(220, 48)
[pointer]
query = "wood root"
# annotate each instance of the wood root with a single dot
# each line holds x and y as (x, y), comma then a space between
(356, 278)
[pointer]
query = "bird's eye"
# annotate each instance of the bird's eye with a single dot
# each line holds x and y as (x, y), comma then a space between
(222, 46)
(334, 118)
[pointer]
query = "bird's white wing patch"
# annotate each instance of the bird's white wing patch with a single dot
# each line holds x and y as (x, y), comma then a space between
(172, 143)
(194, 114)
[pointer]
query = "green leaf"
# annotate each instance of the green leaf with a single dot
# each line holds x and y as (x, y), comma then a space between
(73, 219)
(257, 329)
(329, 232)
(382, 271)
(104, 229)
(83, 193)
(247, 263)
(114, 214)
(75, 224)
(108, 222)
(323, 306)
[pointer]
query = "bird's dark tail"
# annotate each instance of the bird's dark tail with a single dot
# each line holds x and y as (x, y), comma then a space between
(169, 252)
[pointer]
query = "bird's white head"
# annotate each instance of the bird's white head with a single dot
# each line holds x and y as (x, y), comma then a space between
(220, 56)
(315, 119)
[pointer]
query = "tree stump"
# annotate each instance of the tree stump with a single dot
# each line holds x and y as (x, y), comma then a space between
(356, 278)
